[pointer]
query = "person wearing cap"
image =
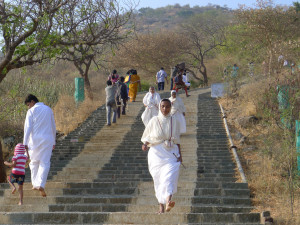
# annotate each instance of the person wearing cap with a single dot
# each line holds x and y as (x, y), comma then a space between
(39, 139)
(18, 172)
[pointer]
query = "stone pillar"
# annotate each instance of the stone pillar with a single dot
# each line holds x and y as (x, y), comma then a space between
(298, 143)
(79, 89)
(284, 105)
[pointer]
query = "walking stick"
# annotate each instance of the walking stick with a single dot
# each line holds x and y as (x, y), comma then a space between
(180, 162)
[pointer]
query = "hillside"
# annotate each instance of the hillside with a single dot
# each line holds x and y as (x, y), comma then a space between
(171, 16)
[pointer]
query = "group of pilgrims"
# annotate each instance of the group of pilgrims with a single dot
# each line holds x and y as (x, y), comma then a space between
(164, 121)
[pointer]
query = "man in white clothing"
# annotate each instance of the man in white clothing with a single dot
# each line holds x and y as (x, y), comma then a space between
(39, 139)
(185, 80)
(160, 79)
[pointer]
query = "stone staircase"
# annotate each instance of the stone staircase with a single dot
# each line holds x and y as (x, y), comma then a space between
(99, 175)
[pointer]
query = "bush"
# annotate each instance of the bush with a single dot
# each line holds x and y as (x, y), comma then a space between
(145, 86)
(196, 83)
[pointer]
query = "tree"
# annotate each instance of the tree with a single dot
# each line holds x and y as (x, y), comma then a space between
(27, 31)
(274, 29)
(297, 6)
(205, 35)
(102, 30)
(150, 51)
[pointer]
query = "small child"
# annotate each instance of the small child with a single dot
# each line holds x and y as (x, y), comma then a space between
(18, 172)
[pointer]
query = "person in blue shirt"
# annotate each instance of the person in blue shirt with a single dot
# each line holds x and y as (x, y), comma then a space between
(160, 79)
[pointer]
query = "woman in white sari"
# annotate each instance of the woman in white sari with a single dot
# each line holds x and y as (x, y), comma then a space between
(178, 110)
(151, 102)
(162, 135)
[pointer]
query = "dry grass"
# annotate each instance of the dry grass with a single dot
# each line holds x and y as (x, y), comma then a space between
(267, 177)
(68, 116)
(53, 85)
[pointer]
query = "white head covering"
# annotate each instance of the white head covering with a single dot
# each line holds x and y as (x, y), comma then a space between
(162, 128)
(160, 114)
(172, 98)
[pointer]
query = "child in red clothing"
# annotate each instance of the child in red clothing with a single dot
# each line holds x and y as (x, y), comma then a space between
(18, 172)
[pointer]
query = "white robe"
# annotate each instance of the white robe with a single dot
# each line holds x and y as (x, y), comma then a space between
(162, 161)
(39, 135)
(184, 79)
(177, 110)
(152, 102)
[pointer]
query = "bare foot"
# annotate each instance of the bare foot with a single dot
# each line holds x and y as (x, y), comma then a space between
(42, 191)
(35, 188)
(20, 203)
(13, 190)
(161, 209)
(169, 206)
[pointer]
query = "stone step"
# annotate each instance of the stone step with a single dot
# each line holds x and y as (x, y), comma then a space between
(126, 218)
(216, 179)
(198, 224)
(145, 191)
(142, 199)
(24, 208)
(215, 175)
(83, 184)
(145, 208)
(96, 180)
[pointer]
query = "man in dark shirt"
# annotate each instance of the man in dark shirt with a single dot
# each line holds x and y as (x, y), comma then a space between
(122, 96)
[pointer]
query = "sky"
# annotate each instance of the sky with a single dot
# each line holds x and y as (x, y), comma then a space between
(233, 4)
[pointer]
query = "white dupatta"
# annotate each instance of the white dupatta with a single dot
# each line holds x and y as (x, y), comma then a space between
(161, 129)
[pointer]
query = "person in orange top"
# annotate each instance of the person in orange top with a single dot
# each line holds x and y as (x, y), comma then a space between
(135, 82)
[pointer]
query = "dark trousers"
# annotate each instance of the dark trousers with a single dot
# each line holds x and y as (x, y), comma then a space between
(123, 108)
(171, 83)
(161, 86)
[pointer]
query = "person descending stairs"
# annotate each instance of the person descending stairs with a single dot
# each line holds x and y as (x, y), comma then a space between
(99, 175)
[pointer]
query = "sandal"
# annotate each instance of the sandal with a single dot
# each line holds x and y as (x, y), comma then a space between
(169, 206)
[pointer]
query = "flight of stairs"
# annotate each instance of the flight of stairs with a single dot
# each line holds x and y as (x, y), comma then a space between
(99, 175)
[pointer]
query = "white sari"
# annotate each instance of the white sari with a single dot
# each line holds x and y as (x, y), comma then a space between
(152, 102)
(177, 110)
(163, 134)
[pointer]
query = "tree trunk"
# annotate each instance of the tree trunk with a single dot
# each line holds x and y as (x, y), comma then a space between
(205, 79)
(87, 87)
(2, 167)
(84, 75)
(87, 83)
(2, 76)
(270, 62)
(193, 74)
(203, 71)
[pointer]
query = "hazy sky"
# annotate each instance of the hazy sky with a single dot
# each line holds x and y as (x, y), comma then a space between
(233, 4)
